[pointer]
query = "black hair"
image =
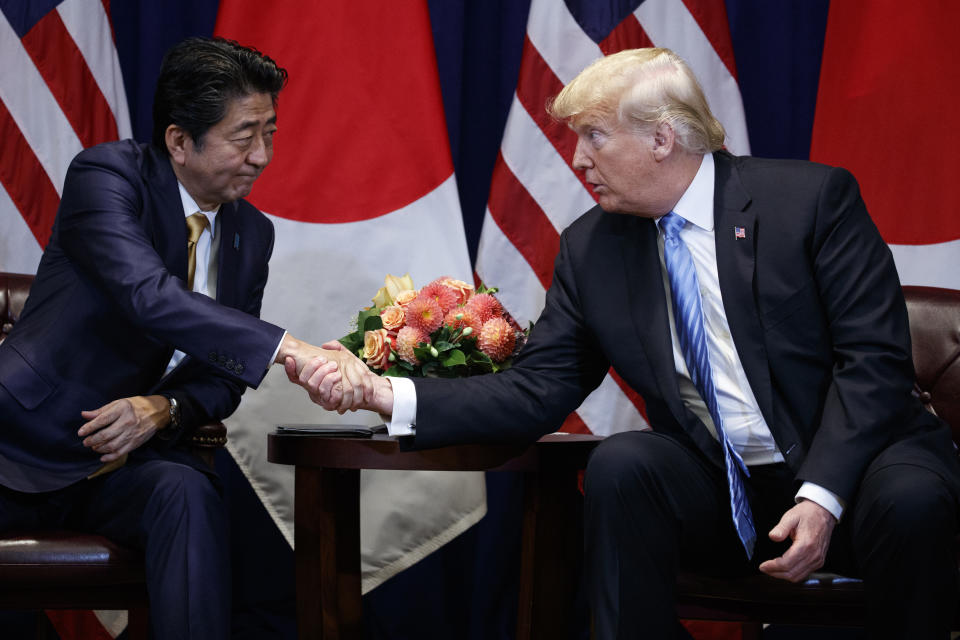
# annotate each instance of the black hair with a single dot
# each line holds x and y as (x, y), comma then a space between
(200, 76)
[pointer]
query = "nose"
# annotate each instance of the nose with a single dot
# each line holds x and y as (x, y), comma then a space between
(260, 152)
(581, 157)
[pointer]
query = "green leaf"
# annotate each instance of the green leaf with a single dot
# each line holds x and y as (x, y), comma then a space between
(397, 371)
(455, 358)
(369, 320)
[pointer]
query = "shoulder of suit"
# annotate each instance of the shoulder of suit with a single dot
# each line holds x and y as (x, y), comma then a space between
(119, 155)
(783, 171)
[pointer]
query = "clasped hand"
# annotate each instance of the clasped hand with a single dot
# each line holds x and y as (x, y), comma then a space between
(334, 378)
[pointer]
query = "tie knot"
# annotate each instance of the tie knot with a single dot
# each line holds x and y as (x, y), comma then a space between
(196, 223)
(671, 224)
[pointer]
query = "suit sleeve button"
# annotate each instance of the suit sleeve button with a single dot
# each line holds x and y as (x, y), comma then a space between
(212, 356)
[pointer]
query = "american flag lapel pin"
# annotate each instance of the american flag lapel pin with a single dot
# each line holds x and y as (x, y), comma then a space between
(739, 232)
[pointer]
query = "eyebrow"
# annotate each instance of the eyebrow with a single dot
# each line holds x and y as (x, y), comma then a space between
(246, 124)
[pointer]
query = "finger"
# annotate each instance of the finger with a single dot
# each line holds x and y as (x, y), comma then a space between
(333, 345)
(290, 368)
(311, 367)
(321, 384)
(104, 418)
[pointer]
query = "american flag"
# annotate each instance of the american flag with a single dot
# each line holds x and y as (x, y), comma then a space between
(535, 193)
(60, 91)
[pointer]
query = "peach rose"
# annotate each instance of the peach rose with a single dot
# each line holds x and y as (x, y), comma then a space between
(376, 348)
(464, 290)
(405, 297)
(392, 317)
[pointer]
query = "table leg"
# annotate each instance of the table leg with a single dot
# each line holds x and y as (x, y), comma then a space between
(551, 555)
(327, 531)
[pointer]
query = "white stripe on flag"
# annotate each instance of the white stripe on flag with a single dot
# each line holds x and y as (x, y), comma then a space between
(542, 171)
(560, 40)
(88, 25)
(928, 265)
(19, 251)
(499, 264)
(608, 410)
(669, 24)
(34, 109)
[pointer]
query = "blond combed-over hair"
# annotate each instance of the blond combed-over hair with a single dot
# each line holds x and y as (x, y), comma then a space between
(643, 88)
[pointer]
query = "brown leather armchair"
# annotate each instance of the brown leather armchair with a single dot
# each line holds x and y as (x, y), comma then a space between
(68, 569)
(935, 333)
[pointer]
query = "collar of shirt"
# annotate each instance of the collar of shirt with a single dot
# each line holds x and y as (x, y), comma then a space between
(696, 203)
(191, 207)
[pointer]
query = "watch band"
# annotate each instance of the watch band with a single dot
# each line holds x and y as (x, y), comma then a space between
(174, 412)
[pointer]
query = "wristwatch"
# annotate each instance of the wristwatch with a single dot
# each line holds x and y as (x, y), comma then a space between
(174, 412)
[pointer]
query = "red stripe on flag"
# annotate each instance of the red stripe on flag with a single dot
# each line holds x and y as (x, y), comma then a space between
(629, 34)
(574, 424)
(71, 624)
(712, 18)
(536, 85)
(62, 66)
(25, 180)
(523, 222)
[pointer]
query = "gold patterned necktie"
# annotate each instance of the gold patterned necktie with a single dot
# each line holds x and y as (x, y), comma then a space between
(196, 223)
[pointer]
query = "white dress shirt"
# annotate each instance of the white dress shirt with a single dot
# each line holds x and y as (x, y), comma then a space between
(743, 422)
(205, 273)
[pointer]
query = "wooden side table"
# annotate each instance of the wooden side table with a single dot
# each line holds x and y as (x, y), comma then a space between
(327, 522)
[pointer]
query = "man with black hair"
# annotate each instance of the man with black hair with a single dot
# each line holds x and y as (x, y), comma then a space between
(142, 323)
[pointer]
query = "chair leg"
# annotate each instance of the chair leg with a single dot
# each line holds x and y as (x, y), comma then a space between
(138, 623)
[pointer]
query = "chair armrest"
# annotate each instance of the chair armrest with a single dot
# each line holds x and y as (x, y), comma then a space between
(206, 439)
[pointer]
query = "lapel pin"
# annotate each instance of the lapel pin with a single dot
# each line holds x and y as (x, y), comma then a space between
(739, 232)
(236, 241)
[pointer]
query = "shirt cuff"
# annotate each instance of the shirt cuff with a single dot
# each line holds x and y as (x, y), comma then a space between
(823, 497)
(276, 351)
(401, 421)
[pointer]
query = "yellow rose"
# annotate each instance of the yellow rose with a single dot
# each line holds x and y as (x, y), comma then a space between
(392, 285)
(376, 348)
(393, 317)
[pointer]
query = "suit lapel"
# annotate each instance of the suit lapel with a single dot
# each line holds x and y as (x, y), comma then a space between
(229, 258)
(736, 266)
(169, 227)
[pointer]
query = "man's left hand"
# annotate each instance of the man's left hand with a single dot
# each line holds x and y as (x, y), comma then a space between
(117, 428)
(809, 526)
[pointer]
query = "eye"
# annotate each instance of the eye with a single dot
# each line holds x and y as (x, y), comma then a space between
(596, 137)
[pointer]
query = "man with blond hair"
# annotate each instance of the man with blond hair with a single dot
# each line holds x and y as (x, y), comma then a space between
(754, 306)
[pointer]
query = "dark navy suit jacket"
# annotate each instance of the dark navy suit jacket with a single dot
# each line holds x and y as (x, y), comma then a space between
(814, 306)
(109, 306)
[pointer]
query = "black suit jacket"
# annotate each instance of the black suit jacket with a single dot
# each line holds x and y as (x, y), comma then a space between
(815, 310)
(109, 306)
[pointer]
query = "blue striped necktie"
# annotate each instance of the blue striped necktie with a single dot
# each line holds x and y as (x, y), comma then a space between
(688, 316)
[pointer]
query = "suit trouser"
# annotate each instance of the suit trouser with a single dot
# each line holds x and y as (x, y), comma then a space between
(653, 506)
(170, 511)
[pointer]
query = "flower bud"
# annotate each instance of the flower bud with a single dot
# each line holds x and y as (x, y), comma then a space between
(433, 351)
(467, 331)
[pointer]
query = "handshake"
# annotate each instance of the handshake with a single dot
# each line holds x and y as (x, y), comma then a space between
(335, 379)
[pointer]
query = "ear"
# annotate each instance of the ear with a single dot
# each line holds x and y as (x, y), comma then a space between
(664, 138)
(177, 140)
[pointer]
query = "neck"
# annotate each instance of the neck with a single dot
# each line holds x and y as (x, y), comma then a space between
(205, 205)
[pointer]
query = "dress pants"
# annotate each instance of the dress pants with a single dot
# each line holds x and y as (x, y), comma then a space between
(653, 506)
(170, 511)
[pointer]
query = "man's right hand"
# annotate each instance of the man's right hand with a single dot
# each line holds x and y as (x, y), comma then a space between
(323, 378)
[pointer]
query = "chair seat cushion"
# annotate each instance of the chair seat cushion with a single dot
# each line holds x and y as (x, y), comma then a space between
(66, 558)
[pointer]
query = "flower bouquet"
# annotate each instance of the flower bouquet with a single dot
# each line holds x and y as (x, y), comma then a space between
(447, 329)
